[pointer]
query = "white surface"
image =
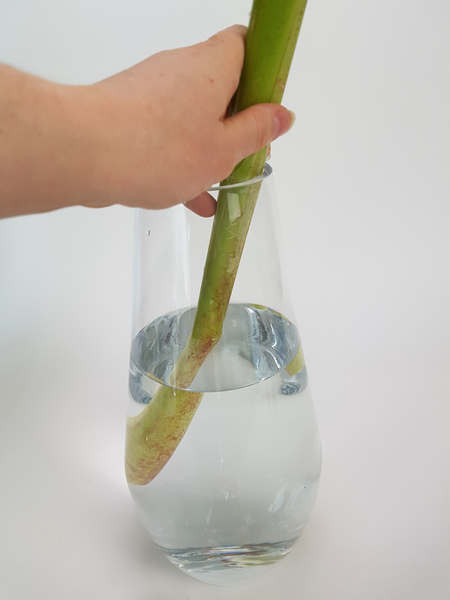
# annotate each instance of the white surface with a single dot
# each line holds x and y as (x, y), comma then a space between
(363, 184)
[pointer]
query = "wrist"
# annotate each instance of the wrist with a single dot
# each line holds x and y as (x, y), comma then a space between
(44, 148)
(113, 130)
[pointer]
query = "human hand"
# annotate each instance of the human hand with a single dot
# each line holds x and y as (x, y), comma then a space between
(152, 136)
(163, 127)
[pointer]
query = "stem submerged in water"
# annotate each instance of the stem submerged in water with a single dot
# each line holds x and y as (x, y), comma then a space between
(153, 436)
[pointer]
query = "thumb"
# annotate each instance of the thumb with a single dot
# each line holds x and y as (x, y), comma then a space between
(255, 127)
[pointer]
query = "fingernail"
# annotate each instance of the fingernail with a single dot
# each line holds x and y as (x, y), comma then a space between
(284, 121)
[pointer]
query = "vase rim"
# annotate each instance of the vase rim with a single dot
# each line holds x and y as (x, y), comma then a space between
(267, 171)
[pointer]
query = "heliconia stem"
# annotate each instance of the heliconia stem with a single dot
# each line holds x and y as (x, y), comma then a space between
(297, 363)
(153, 435)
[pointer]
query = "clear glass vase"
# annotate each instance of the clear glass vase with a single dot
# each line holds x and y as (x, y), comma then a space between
(239, 482)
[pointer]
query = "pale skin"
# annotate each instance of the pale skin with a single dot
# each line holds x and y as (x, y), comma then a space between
(152, 136)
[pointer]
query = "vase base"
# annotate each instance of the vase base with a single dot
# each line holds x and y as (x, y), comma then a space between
(228, 565)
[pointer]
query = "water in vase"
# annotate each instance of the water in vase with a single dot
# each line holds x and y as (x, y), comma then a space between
(240, 487)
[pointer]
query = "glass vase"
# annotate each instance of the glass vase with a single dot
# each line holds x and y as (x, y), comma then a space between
(239, 480)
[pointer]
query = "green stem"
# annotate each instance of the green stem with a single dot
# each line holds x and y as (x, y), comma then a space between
(271, 40)
(155, 433)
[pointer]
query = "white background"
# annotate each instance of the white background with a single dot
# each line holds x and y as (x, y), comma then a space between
(364, 191)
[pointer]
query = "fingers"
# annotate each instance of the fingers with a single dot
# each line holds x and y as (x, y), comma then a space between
(221, 36)
(248, 132)
(252, 129)
(203, 205)
(226, 51)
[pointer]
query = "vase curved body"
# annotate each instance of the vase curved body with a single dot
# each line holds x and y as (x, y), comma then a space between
(236, 493)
